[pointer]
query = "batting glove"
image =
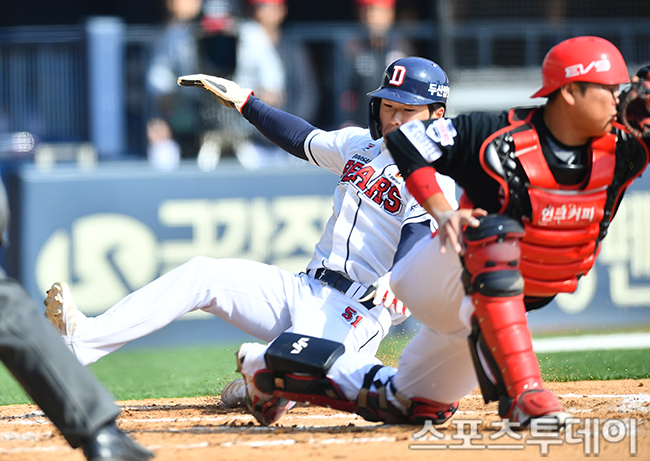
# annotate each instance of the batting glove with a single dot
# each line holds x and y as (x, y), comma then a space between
(225, 91)
(383, 295)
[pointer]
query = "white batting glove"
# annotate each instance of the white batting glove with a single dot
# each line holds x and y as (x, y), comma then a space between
(225, 91)
(383, 295)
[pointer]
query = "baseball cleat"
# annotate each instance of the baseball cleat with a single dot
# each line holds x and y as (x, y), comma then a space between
(539, 405)
(234, 394)
(423, 410)
(266, 408)
(271, 411)
(61, 311)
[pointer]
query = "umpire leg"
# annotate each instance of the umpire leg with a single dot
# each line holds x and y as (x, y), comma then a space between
(66, 391)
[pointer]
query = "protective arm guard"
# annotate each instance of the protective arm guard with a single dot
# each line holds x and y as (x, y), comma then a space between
(297, 369)
(500, 341)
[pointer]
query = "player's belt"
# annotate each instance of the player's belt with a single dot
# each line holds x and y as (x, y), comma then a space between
(353, 290)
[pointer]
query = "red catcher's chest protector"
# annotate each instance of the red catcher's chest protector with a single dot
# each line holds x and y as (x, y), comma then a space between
(561, 237)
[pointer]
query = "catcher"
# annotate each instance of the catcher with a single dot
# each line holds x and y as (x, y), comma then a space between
(541, 186)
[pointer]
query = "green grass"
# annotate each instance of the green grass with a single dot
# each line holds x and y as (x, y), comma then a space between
(205, 370)
(595, 365)
(156, 373)
(162, 373)
(564, 366)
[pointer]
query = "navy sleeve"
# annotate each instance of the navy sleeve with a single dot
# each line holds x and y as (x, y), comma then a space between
(410, 234)
(282, 129)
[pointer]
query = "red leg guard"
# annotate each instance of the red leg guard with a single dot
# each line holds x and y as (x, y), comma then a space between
(493, 279)
(505, 330)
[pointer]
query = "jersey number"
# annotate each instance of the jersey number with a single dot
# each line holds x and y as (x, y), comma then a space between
(352, 317)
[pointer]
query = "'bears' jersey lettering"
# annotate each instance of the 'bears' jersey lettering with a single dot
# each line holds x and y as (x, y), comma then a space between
(350, 168)
(364, 174)
(393, 200)
(377, 190)
(382, 191)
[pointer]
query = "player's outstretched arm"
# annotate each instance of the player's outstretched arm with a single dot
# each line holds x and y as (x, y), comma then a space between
(283, 129)
(225, 91)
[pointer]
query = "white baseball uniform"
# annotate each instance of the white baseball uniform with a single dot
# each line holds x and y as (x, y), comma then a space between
(371, 204)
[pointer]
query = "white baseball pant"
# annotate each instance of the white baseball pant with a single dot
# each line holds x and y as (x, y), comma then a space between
(259, 299)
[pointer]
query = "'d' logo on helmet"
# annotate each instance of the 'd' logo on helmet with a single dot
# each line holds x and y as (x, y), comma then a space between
(602, 65)
(399, 72)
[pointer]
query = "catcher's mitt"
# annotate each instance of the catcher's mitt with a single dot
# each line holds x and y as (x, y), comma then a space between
(632, 110)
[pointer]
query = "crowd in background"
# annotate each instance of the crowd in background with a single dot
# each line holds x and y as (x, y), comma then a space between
(247, 41)
(244, 41)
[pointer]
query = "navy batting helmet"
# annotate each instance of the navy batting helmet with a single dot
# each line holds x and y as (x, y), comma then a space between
(413, 81)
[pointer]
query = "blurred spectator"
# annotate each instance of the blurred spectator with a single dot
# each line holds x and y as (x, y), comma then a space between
(369, 55)
(162, 152)
(280, 72)
(218, 39)
(223, 131)
(176, 53)
(199, 36)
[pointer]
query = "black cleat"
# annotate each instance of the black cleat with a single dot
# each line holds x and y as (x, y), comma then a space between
(111, 444)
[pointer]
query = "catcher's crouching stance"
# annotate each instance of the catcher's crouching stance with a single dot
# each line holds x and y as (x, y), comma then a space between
(296, 370)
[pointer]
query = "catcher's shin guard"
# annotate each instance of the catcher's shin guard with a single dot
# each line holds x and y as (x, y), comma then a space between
(500, 340)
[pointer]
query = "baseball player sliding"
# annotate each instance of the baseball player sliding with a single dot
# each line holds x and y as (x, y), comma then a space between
(541, 186)
(374, 221)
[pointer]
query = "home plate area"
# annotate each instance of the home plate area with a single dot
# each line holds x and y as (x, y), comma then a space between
(610, 419)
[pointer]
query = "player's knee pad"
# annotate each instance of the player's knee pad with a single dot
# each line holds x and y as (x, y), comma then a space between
(493, 246)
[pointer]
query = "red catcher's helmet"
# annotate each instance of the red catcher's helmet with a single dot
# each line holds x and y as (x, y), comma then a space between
(582, 59)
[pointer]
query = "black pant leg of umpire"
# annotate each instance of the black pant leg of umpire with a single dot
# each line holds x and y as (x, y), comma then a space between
(67, 392)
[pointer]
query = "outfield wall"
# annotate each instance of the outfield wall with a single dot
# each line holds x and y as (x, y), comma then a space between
(111, 229)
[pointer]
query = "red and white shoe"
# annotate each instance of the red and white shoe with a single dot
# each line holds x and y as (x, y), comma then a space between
(423, 410)
(266, 408)
(538, 404)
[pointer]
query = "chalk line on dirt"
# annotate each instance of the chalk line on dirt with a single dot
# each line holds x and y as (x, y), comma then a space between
(592, 342)
(630, 402)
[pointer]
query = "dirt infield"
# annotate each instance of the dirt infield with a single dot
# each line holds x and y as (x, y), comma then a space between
(616, 412)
